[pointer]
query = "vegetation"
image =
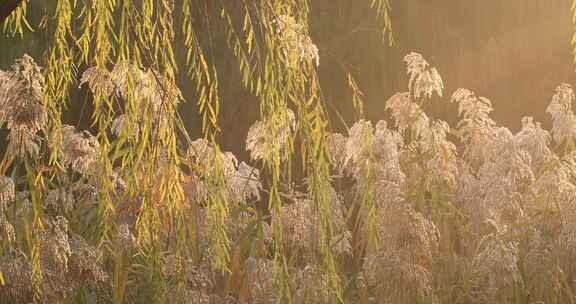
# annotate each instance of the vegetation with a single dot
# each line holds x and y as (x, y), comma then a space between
(410, 210)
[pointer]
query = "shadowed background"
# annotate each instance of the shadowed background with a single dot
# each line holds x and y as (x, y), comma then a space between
(514, 52)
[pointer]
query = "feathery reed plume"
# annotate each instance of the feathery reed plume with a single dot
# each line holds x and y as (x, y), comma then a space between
(534, 140)
(424, 79)
(476, 127)
(495, 268)
(313, 286)
(560, 108)
(262, 138)
(59, 200)
(16, 271)
(99, 81)
(295, 43)
(21, 105)
(261, 286)
(7, 191)
(79, 150)
(86, 262)
(124, 126)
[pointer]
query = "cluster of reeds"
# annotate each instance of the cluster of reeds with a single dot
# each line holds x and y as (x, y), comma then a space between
(407, 211)
(410, 210)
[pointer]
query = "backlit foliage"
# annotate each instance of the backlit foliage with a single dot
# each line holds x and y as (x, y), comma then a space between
(410, 210)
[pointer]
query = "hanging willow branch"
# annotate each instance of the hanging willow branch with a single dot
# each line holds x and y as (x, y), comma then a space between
(158, 208)
(7, 7)
(383, 9)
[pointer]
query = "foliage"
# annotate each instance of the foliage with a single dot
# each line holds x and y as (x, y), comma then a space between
(406, 211)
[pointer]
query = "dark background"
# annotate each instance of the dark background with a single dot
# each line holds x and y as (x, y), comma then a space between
(514, 52)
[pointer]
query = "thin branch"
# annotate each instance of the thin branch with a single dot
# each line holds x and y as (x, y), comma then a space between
(7, 7)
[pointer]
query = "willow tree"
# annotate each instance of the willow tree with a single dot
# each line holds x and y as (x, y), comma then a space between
(139, 211)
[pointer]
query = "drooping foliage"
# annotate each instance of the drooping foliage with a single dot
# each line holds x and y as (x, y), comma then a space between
(411, 210)
(140, 175)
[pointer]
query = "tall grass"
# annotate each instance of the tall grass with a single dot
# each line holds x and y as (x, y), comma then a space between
(410, 210)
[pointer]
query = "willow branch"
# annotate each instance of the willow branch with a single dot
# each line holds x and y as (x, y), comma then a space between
(7, 7)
